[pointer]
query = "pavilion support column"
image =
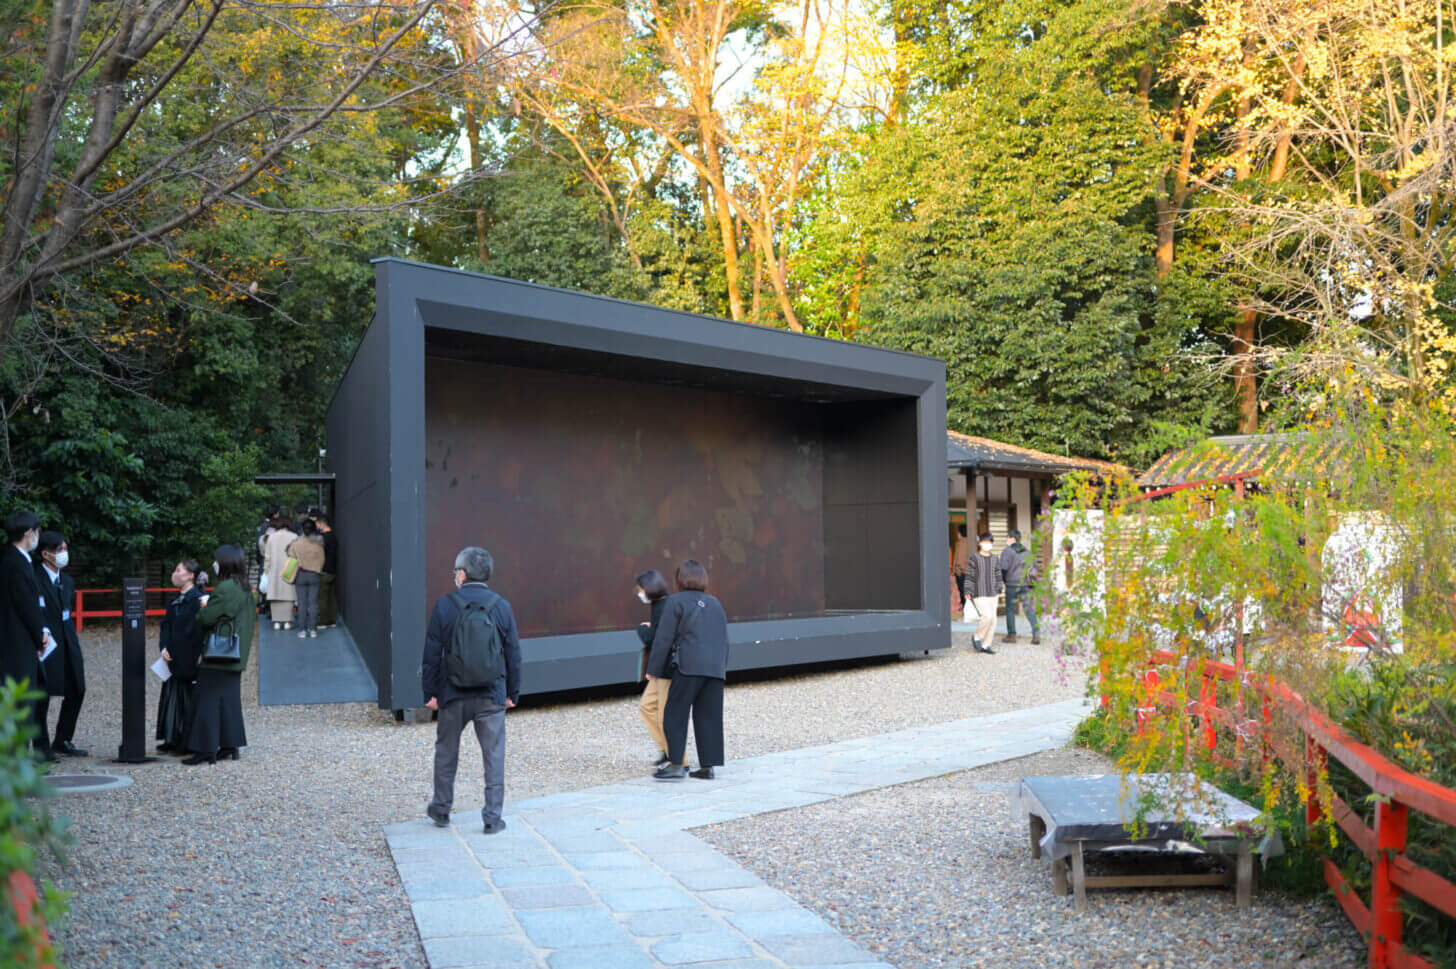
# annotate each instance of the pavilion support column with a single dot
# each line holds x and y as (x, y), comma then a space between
(972, 513)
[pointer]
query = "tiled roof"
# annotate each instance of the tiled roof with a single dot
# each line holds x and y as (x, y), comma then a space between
(1288, 456)
(984, 454)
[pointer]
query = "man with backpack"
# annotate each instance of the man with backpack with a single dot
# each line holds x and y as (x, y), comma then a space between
(471, 674)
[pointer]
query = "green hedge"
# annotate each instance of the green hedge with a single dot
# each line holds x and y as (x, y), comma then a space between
(27, 827)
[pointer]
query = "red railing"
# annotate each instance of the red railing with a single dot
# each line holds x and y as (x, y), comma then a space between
(1397, 791)
(83, 613)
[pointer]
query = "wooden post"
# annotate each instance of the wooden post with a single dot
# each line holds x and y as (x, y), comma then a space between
(1239, 673)
(1079, 880)
(1385, 920)
(1244, 875)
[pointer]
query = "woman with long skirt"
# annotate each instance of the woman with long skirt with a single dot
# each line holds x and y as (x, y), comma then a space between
(691, 646)
(217, 721)
(181, 640)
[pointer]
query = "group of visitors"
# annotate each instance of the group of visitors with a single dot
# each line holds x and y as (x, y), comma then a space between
(38, 639)
(471, 675)
(299, 563)
(205, 640)
(201, 707)
(982, 575)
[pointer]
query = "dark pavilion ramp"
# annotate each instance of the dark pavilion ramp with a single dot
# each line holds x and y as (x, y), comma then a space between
(293, 671)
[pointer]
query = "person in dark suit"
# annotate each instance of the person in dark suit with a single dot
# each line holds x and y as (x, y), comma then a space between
(181, 644)
(23, 632)
(691, 646)
(65, 669)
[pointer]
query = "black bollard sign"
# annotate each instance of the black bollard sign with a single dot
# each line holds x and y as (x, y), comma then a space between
(133, 672)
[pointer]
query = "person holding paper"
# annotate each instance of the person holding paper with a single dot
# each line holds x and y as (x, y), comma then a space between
(181, 639)
(65, 672)
(23, 632)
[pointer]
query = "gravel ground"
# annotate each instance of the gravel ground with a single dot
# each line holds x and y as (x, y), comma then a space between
(279, 860)
(939, 874)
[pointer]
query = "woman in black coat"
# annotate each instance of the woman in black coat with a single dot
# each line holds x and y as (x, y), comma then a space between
(691, 646)
(181, 642)
(652, 591)
(217, 729)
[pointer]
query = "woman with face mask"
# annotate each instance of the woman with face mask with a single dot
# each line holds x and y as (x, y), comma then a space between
(217, 722)
(652, 591)
(983, 593)
(181, 644)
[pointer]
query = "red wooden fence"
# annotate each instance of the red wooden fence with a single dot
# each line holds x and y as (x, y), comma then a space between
(1399, 792)
(83, 612)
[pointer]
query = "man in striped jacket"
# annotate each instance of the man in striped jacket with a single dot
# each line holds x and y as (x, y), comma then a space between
(983, 593)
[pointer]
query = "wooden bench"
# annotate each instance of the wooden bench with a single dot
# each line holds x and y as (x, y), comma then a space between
(1071, 817)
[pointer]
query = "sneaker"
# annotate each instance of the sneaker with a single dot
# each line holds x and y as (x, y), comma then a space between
(1008, 638)
(303, 634)
(494, 827)
(441, 821)
(313, 634)
(277, 626)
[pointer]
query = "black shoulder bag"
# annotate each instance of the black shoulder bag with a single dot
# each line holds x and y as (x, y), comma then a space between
(222, 644)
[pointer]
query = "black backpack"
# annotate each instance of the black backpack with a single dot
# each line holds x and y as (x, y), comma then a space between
(475, 655)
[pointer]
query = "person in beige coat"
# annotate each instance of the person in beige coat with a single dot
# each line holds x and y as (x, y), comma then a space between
(308, 548)
(281, 595)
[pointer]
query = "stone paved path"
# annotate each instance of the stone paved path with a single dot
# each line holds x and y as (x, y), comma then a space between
(608, 877)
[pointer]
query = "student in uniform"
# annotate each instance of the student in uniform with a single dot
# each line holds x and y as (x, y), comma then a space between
(65, 668)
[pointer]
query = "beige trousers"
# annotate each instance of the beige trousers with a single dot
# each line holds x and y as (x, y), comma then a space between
(281, 610)
(984, 612)
(653, 702)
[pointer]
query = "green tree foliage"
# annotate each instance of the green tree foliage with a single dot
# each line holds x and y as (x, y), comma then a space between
(1006, 233)
(144, 392)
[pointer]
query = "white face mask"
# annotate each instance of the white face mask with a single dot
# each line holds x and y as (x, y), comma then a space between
(985, 546)
(63, 559)
(642, 597)
(215, 568)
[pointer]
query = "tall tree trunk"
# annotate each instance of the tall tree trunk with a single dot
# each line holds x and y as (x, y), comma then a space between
(472, 136)
(1246, 391)
(724, 209)
(1167, 216)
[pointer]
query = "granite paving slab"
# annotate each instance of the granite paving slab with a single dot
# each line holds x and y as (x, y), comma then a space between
(610, 876)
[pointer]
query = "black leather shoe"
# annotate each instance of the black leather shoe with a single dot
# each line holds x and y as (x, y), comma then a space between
(227, 753)
(986, 649)
(67, 749)
(702, 773)
(672, 772)
(440, 822)
(662, 761)
(46, 756)
(494, 827)
(196, 759)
